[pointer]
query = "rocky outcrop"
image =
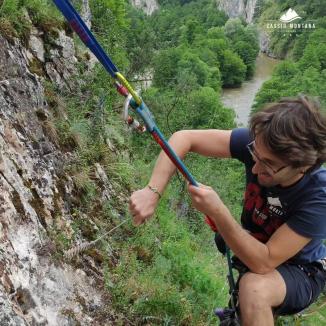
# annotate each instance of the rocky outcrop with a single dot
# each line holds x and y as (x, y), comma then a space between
(36, 196)
(148, 6)
(264, 44)
(86, 13)
(246, 9)
(62, 63)
(238, 8)
(36, 44)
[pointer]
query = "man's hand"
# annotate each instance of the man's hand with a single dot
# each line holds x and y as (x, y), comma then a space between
(142, 205)
(205, 199)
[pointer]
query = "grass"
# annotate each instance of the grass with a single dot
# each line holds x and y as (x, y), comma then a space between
(167, 276)
(18, 17)
(312, 316)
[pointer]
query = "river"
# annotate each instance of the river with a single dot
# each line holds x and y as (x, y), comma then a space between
(241, 99)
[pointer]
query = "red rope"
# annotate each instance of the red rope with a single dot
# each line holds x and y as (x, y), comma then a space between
(167, 152)
(208, 220)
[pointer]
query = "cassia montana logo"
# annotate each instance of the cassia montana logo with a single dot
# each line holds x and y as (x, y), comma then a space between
(288, 22)
(289, 16)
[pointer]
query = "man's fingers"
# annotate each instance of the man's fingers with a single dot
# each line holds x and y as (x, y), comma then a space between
(141, 205)
(198, 188)
(193, 189)
(204, 186)
(131, 204)
(138, 220)
(139, 217)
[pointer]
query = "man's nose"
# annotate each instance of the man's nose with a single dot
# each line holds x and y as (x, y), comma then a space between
(258, 168)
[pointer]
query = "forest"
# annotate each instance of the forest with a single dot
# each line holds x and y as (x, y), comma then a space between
(168, 270)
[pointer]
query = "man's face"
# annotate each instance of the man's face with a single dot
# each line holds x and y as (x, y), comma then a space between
(270, 169)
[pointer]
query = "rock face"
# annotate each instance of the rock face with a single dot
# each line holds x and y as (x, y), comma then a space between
(148, 6)
(264, 44)
(62, 60)
(36, 44)
(86, 13)
(246, 9)
(34, 195)
(238, 8)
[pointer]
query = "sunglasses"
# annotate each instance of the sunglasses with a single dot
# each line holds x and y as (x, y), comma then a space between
(256, 158)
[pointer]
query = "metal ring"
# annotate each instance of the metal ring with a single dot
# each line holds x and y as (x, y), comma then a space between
(126, 106)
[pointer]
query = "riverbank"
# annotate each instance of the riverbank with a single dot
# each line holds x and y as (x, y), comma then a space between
(242, 98)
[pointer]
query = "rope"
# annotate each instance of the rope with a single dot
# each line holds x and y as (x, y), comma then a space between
(75, 251)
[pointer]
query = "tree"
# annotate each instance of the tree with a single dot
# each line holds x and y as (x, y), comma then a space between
(207, 55)
(190, 30)
(140, 40)
(299, 45)
(214, 79)
(164, 65)
(286, 70)
(201, 110)
(307, 82)
(233, 69)
(109, 23)
(248, 54)
(234, 29)
(244, 41)
(216, 33)
(218, 46)
(310, 58)
(191, 63)
(271, 91)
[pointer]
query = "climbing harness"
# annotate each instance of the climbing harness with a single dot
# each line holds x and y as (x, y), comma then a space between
(230, 315)
(134, 101)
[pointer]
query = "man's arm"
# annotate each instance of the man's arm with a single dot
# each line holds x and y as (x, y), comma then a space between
(259, 257)
(213, 143)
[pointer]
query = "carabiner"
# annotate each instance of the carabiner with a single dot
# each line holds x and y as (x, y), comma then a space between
(132, 122)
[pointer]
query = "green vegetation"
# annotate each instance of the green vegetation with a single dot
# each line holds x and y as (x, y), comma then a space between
(304, 69)
(282, 44)
(201, 45)
(18, 17)
(166, 272)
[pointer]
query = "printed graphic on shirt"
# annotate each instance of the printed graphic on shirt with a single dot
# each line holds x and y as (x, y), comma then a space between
(262, 215)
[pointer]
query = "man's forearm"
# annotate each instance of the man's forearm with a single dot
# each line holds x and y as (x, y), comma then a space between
(253, 253)
(164, 168)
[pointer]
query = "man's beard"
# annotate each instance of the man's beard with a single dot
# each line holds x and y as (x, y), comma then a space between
(266, 181)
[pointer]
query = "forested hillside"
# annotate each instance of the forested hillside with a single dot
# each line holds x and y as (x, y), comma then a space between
(167, 271)
(303, 70)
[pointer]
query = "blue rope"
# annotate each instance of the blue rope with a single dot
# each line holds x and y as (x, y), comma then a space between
(85, 35)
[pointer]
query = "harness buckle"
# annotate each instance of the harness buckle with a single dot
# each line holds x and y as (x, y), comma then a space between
(322, 262)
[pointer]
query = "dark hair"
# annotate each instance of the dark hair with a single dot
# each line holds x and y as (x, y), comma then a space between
(294, 129)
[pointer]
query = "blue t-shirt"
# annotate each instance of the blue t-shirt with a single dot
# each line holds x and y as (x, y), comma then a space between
(301, 206)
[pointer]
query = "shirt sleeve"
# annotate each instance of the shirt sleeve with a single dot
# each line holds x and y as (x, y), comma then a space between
(310, 221)
(240, 138)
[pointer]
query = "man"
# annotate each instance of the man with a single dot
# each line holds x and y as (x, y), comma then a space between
(284, 214)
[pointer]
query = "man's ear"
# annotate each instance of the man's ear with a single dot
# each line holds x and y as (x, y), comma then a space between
(304, 169)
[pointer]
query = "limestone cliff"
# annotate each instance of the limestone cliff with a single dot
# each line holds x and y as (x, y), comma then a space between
(148, 6)
(36, 195)
(238, 8)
